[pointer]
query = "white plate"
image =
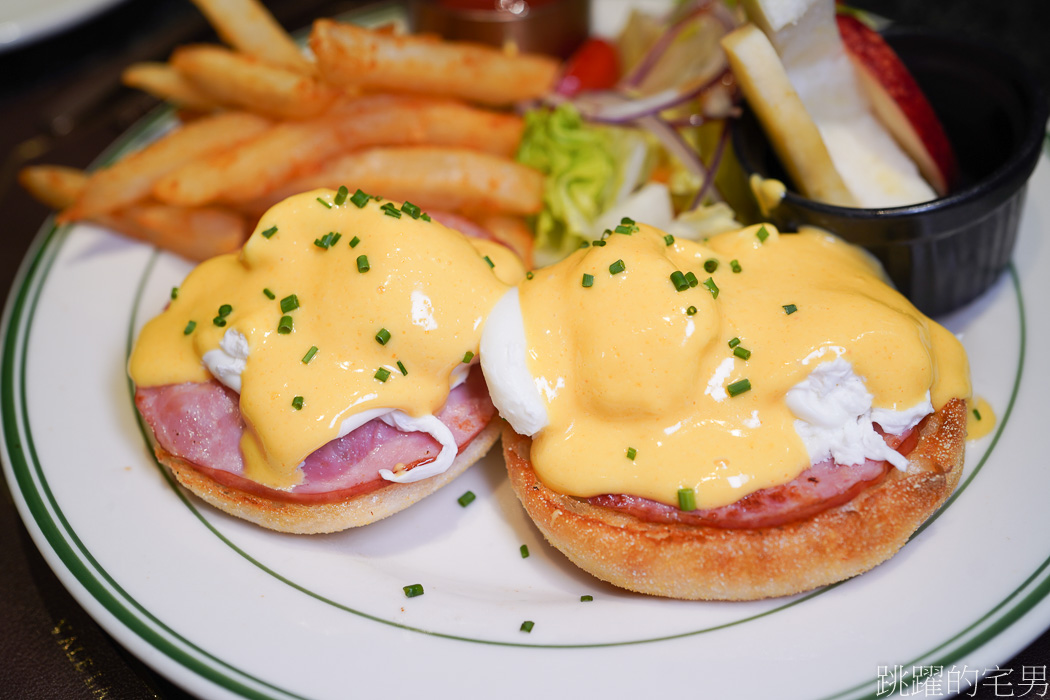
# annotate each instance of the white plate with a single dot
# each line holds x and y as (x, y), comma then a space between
(23, 21)
(226, 609)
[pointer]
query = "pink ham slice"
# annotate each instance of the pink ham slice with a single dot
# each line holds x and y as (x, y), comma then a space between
(822, 486)
(462, 224)
(200, 422)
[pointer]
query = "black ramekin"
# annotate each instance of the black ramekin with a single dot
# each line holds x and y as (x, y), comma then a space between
(943, 253)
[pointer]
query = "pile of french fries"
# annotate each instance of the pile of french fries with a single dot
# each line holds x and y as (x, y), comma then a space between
(411, 118)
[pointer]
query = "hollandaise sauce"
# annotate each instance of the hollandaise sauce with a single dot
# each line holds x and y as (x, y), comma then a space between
(665, 366)
(338, 306)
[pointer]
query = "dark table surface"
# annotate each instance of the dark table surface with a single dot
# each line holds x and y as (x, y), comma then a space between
(61, 103)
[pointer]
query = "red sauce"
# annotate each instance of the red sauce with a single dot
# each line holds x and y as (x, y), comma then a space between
(494, 5)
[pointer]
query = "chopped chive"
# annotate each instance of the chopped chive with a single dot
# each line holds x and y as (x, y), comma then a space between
(466, 499)
(710, 265)
(489, 261)
(341, 195)
(669, 239)
(416, 589)
(734, 342)
(599, 244)
(219, 321)
(467, 357)
(411, 209)
(225, 310)
(735, 265)
(309, 354)
(976, 413)
(711, 286)
(297, 403)
(686, 499)
(586, 598)
(691, 279)
(529, 275)
(362, 263)
(289, 303)
(327, 205)
(390, 210)
(617, 267)
(268, 233)
(762, 234)
(737, 388)
(383, 336)
(527, 626)
(790, 309)
(742, 352)
(190, 326)
(425, 217)
(588, 280)
(627, 221)
(328, 240)
(679, 281)
(606, 233)
(524, 549)
(360, 199)
(585, 244)
(401, 367)
(268, 293)
(284, 326)
(631, 453)
(382, 374)
(174, 293)
(691, 311)
(626, 230)
(354, 241)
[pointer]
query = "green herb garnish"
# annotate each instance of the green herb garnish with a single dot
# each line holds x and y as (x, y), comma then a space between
(739, 387)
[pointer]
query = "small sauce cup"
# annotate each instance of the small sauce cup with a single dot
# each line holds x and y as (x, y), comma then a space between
(943, 253)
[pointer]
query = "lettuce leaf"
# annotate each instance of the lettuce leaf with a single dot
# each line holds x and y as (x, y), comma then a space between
(587, 168)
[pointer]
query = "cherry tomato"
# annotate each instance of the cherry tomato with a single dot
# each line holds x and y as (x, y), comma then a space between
(594, 66)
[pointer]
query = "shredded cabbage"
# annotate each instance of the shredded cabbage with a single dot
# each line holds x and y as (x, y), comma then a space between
(587, 169)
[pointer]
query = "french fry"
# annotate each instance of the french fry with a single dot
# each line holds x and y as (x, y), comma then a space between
(131, 179)
(54, 185)
(290, 149)
(454, 179)
(512, 231)
(349, 55)
(195, 234)
(249, 27)
(243, 81)
(165, 83)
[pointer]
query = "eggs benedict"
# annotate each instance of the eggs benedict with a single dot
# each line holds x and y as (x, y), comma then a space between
(752, 416)
(327, 375)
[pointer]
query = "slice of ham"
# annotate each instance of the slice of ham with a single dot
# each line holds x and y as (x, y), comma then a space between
(201, 423)
(462, 224)
(822, 486)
